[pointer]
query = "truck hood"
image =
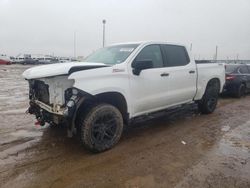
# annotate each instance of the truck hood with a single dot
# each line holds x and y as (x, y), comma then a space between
(59, 69)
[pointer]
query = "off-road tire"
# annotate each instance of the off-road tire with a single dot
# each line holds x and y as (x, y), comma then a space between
(209, 100)
(101, 127)
(241, 91)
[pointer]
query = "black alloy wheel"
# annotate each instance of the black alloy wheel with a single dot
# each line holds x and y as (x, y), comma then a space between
(101, 127)
(209, 100)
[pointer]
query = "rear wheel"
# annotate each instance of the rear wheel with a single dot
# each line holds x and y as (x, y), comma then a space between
(241, 91)
(101, 128)
(209, 100)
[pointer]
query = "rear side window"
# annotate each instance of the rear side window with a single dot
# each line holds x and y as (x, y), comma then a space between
(243, 70)
(151, 53)
(175, 55)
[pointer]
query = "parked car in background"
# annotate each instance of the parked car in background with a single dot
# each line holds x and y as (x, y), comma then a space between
(4, 60)
(29, 61)
(237, 80)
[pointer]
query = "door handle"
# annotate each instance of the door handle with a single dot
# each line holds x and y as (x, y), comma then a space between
(191, 72)
(165, 74)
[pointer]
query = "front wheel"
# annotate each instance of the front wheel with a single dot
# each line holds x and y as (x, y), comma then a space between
(101, 128)
(209, 100)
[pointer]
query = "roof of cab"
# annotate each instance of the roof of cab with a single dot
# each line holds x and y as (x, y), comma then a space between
(147, 42)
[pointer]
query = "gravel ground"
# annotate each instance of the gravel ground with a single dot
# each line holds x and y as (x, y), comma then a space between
(181, 149)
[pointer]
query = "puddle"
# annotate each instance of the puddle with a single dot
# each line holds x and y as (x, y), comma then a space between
(227, 164)
(236, 142)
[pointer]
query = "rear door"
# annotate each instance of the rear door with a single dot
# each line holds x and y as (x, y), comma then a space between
(182, 74)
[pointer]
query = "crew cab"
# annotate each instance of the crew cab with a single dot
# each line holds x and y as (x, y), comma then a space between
(118, 84)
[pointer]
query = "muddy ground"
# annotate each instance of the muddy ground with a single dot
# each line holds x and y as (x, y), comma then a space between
(181, 149)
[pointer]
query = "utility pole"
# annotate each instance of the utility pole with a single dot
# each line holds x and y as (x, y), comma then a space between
(103, 32)
(75, 44)
(216, 53)
(191, 47)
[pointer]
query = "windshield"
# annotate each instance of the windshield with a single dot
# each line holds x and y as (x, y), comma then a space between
(231, 68)
(112, 55)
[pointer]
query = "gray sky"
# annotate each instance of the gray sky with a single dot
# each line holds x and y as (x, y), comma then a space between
(47, 26)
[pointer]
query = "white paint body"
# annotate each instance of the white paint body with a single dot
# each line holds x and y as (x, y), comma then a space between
(148, 92)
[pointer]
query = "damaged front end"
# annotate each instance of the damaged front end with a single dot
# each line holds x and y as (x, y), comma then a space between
(54, 102)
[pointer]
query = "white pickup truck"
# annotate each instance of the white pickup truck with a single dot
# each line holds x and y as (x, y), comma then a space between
(117, 84)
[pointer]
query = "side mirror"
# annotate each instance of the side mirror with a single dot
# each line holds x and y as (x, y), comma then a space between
(138, 66)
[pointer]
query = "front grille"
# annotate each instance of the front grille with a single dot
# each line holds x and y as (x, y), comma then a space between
(41, 91)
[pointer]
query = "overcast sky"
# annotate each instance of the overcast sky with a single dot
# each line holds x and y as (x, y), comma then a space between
(48, 26)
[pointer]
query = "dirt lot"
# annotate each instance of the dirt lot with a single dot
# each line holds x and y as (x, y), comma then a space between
(183, 149)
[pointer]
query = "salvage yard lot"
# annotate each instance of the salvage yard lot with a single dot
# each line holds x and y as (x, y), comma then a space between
(182, 149)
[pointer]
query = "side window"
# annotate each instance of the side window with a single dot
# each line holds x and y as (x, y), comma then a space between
(176, 55)
(243, 70)
(151, 53)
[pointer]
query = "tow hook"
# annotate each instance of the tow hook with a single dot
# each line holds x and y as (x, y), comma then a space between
(37, 123)
(40, 121)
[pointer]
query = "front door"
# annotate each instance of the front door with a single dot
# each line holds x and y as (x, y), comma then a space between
(149, 89)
